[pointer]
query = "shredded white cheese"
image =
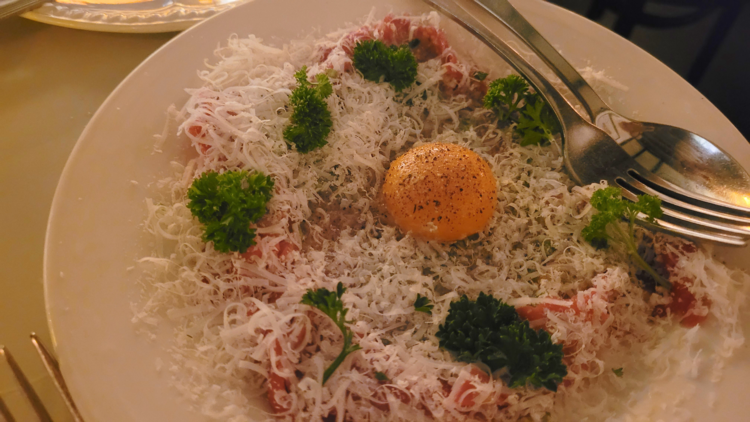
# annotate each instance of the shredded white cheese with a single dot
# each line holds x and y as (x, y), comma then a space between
(231, 310)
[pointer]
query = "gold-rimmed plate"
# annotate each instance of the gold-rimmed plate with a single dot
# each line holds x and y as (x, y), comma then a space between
(95, 232)
(129, 16)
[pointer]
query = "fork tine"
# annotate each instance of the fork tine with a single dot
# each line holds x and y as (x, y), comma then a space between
(603, 157)
(671, 222)
(678, 216)
(633, 184)
(53, 368)
(702, 222)
(5, 412)
(667, 226)
(706, 204)
(36, 403)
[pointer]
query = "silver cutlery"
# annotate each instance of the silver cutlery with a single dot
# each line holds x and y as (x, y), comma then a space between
(700, 172)
(53, 368)
(592, 155)
(10, 8)
(28, 391)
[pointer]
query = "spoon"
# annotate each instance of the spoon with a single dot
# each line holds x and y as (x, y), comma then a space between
(591, 155)
(691, 165)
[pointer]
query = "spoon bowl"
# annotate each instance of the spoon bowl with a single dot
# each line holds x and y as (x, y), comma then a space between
(692, 164)
(688, 164)
(592, 155)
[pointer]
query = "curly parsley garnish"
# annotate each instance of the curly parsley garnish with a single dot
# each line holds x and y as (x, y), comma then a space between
(226, 204)
(605, 225)
(489, 331)
(511, 99)
(505, 95)
(395, 65)
(537, 123)
(422, 304)
(617, 372)
(330, 304)
(311, 120)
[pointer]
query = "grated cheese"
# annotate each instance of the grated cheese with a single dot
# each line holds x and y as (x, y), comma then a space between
(229, 310)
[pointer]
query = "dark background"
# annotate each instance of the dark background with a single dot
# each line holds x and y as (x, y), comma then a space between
(725, 81)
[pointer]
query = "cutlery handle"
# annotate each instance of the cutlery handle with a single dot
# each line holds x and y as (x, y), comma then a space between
(16, 7)
(511, 18)
(465, 14)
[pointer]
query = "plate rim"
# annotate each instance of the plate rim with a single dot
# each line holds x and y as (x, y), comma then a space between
(174, 17)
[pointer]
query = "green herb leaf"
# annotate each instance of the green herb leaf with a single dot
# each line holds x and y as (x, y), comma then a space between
(480, 76)
(510, 97)
(325, 89)
(422, 304)
(504, 95)
(605, 227)
(395, 65)
(650, 206)
(537, 123)
(596, 231)
(489, 331)
(310, 122)
(330, 303)
(226, 204)
(381, 376)
(617, 372)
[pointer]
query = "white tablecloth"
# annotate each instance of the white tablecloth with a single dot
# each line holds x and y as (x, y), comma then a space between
(52, 80)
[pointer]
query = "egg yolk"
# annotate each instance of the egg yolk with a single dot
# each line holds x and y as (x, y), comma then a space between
(441, 192)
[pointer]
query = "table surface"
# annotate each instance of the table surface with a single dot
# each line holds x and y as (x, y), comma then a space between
(52, 80)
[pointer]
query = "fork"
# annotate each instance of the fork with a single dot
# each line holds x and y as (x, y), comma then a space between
(53, 368)
(591, 155)
(677, 155)
(684, 168)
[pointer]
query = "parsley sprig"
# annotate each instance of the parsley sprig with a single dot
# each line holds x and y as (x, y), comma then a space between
(511, 99)
(395, 65)
(605, 226)
(311, 120)
(226, 204)
(422, 304)
(537, 123)
(505, 95)
(330, 303)
(489, 331)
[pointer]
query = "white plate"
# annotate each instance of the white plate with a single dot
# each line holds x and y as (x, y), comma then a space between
(95, 230)
(130, 15)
